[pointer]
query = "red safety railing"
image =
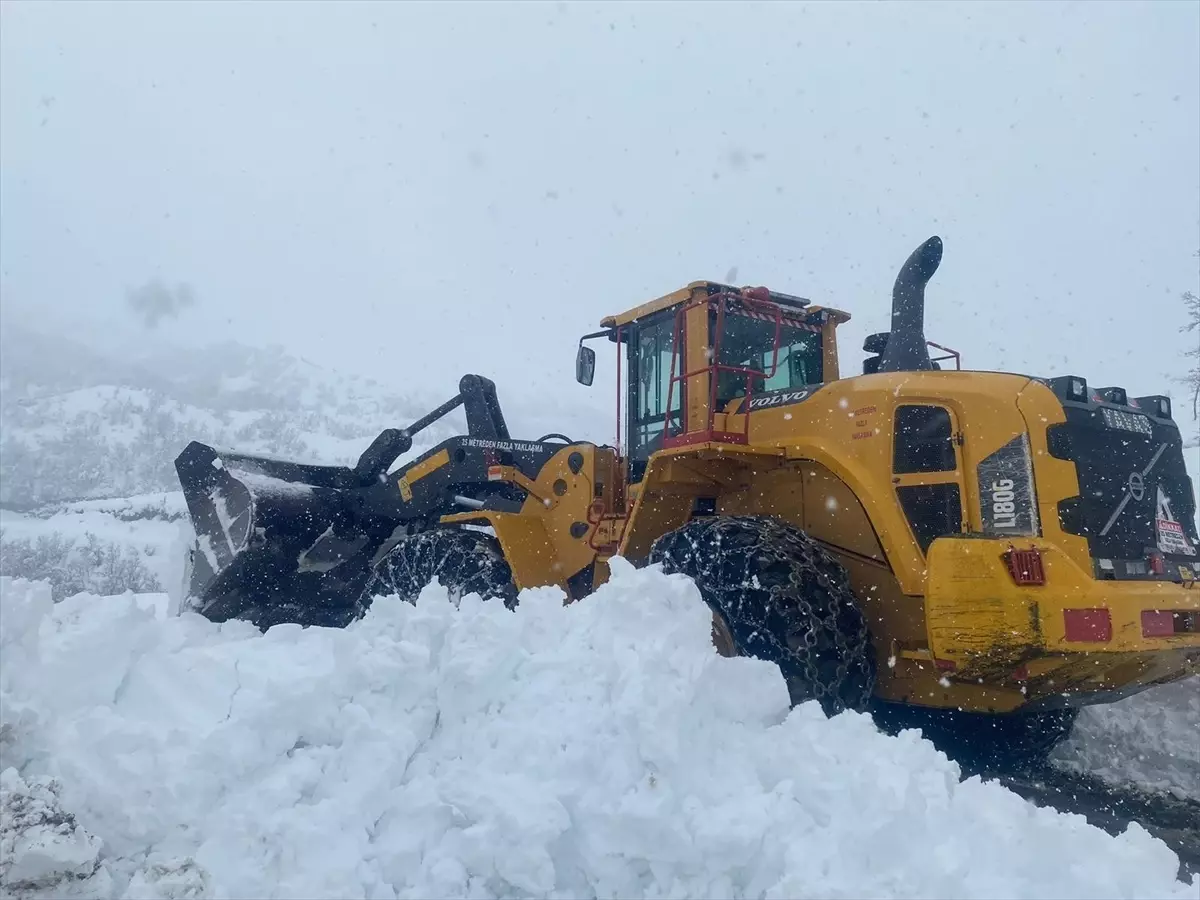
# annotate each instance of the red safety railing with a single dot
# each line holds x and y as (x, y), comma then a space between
(743, 303)
(618, 444)
(951, 354)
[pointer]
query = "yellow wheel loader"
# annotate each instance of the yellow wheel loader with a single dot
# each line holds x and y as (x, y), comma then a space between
(988, 551)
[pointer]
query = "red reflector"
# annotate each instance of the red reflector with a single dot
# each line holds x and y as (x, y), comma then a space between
(1158, 623)
(945, 665)
(1157, 566)
(1025, 566)
(1088, 624)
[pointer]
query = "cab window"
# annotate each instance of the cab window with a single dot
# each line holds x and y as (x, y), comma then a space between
(924, 440)
(749, 343)
(650, 370)
(924, 445)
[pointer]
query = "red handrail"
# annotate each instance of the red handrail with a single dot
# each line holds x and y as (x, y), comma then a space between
(953, 354)
(618, 390)
(765, 308)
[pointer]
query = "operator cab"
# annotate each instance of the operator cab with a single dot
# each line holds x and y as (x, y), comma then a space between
(693, 358)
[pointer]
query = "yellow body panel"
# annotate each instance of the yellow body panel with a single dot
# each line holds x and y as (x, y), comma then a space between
(992, 628)
(419, 471)
(552, 538)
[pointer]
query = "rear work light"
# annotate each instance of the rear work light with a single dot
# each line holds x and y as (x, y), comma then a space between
(1092, 625)
(1156, 405)
(1025, 566)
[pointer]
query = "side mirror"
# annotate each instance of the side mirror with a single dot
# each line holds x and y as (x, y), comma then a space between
(585, 365)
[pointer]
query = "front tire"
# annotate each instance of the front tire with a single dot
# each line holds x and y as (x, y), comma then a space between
(782, 598)
(463, 561)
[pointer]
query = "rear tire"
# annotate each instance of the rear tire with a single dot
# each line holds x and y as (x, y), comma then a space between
(464, 562)
(983, 742)
(783, 599)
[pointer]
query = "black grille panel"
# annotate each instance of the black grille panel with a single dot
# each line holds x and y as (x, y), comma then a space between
(1128, 480)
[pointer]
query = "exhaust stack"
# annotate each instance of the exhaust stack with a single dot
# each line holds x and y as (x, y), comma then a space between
(906, 350)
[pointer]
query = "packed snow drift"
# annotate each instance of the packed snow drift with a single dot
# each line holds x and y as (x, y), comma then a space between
(1151, 740)
(600, 749)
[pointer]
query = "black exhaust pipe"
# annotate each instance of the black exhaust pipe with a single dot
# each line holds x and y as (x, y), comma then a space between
(906, 350)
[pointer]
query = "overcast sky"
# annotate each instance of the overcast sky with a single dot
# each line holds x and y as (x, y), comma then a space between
(414, 191)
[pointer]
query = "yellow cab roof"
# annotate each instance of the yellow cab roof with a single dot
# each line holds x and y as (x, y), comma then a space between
(683, 294)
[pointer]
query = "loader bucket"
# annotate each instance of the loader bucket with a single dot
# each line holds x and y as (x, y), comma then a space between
(275, 541)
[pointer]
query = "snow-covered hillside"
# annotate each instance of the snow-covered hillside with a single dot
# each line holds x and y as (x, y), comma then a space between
(99, 546)
(601, 749)
(101, 427)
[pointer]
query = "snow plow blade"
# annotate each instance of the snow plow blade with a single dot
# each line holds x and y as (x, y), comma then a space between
(275, 541)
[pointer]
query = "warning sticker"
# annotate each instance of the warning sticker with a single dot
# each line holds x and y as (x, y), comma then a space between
(1171, 538)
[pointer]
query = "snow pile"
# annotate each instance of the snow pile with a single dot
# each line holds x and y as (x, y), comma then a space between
(601, 749)
(42, 848)
(1151, 739)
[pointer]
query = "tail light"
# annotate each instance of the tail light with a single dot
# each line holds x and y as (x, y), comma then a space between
(1158, 623)
(1168, 622)
(1025, 566)
(1157, 564)
(1092, 625)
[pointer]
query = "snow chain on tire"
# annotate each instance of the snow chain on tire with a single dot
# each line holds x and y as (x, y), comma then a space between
(784, 599)
(463, 561)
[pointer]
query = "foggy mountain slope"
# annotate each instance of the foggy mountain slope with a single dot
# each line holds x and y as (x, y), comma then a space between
(34, 363)
(75, 424)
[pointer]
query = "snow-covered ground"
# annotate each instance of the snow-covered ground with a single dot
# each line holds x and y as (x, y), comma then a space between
(99, 546)
(1151, 739)
(599, 749)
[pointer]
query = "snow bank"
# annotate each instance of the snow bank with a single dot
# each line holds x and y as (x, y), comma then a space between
(43, 850)
(100, 546)
(1151, 739)
(597, 750)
